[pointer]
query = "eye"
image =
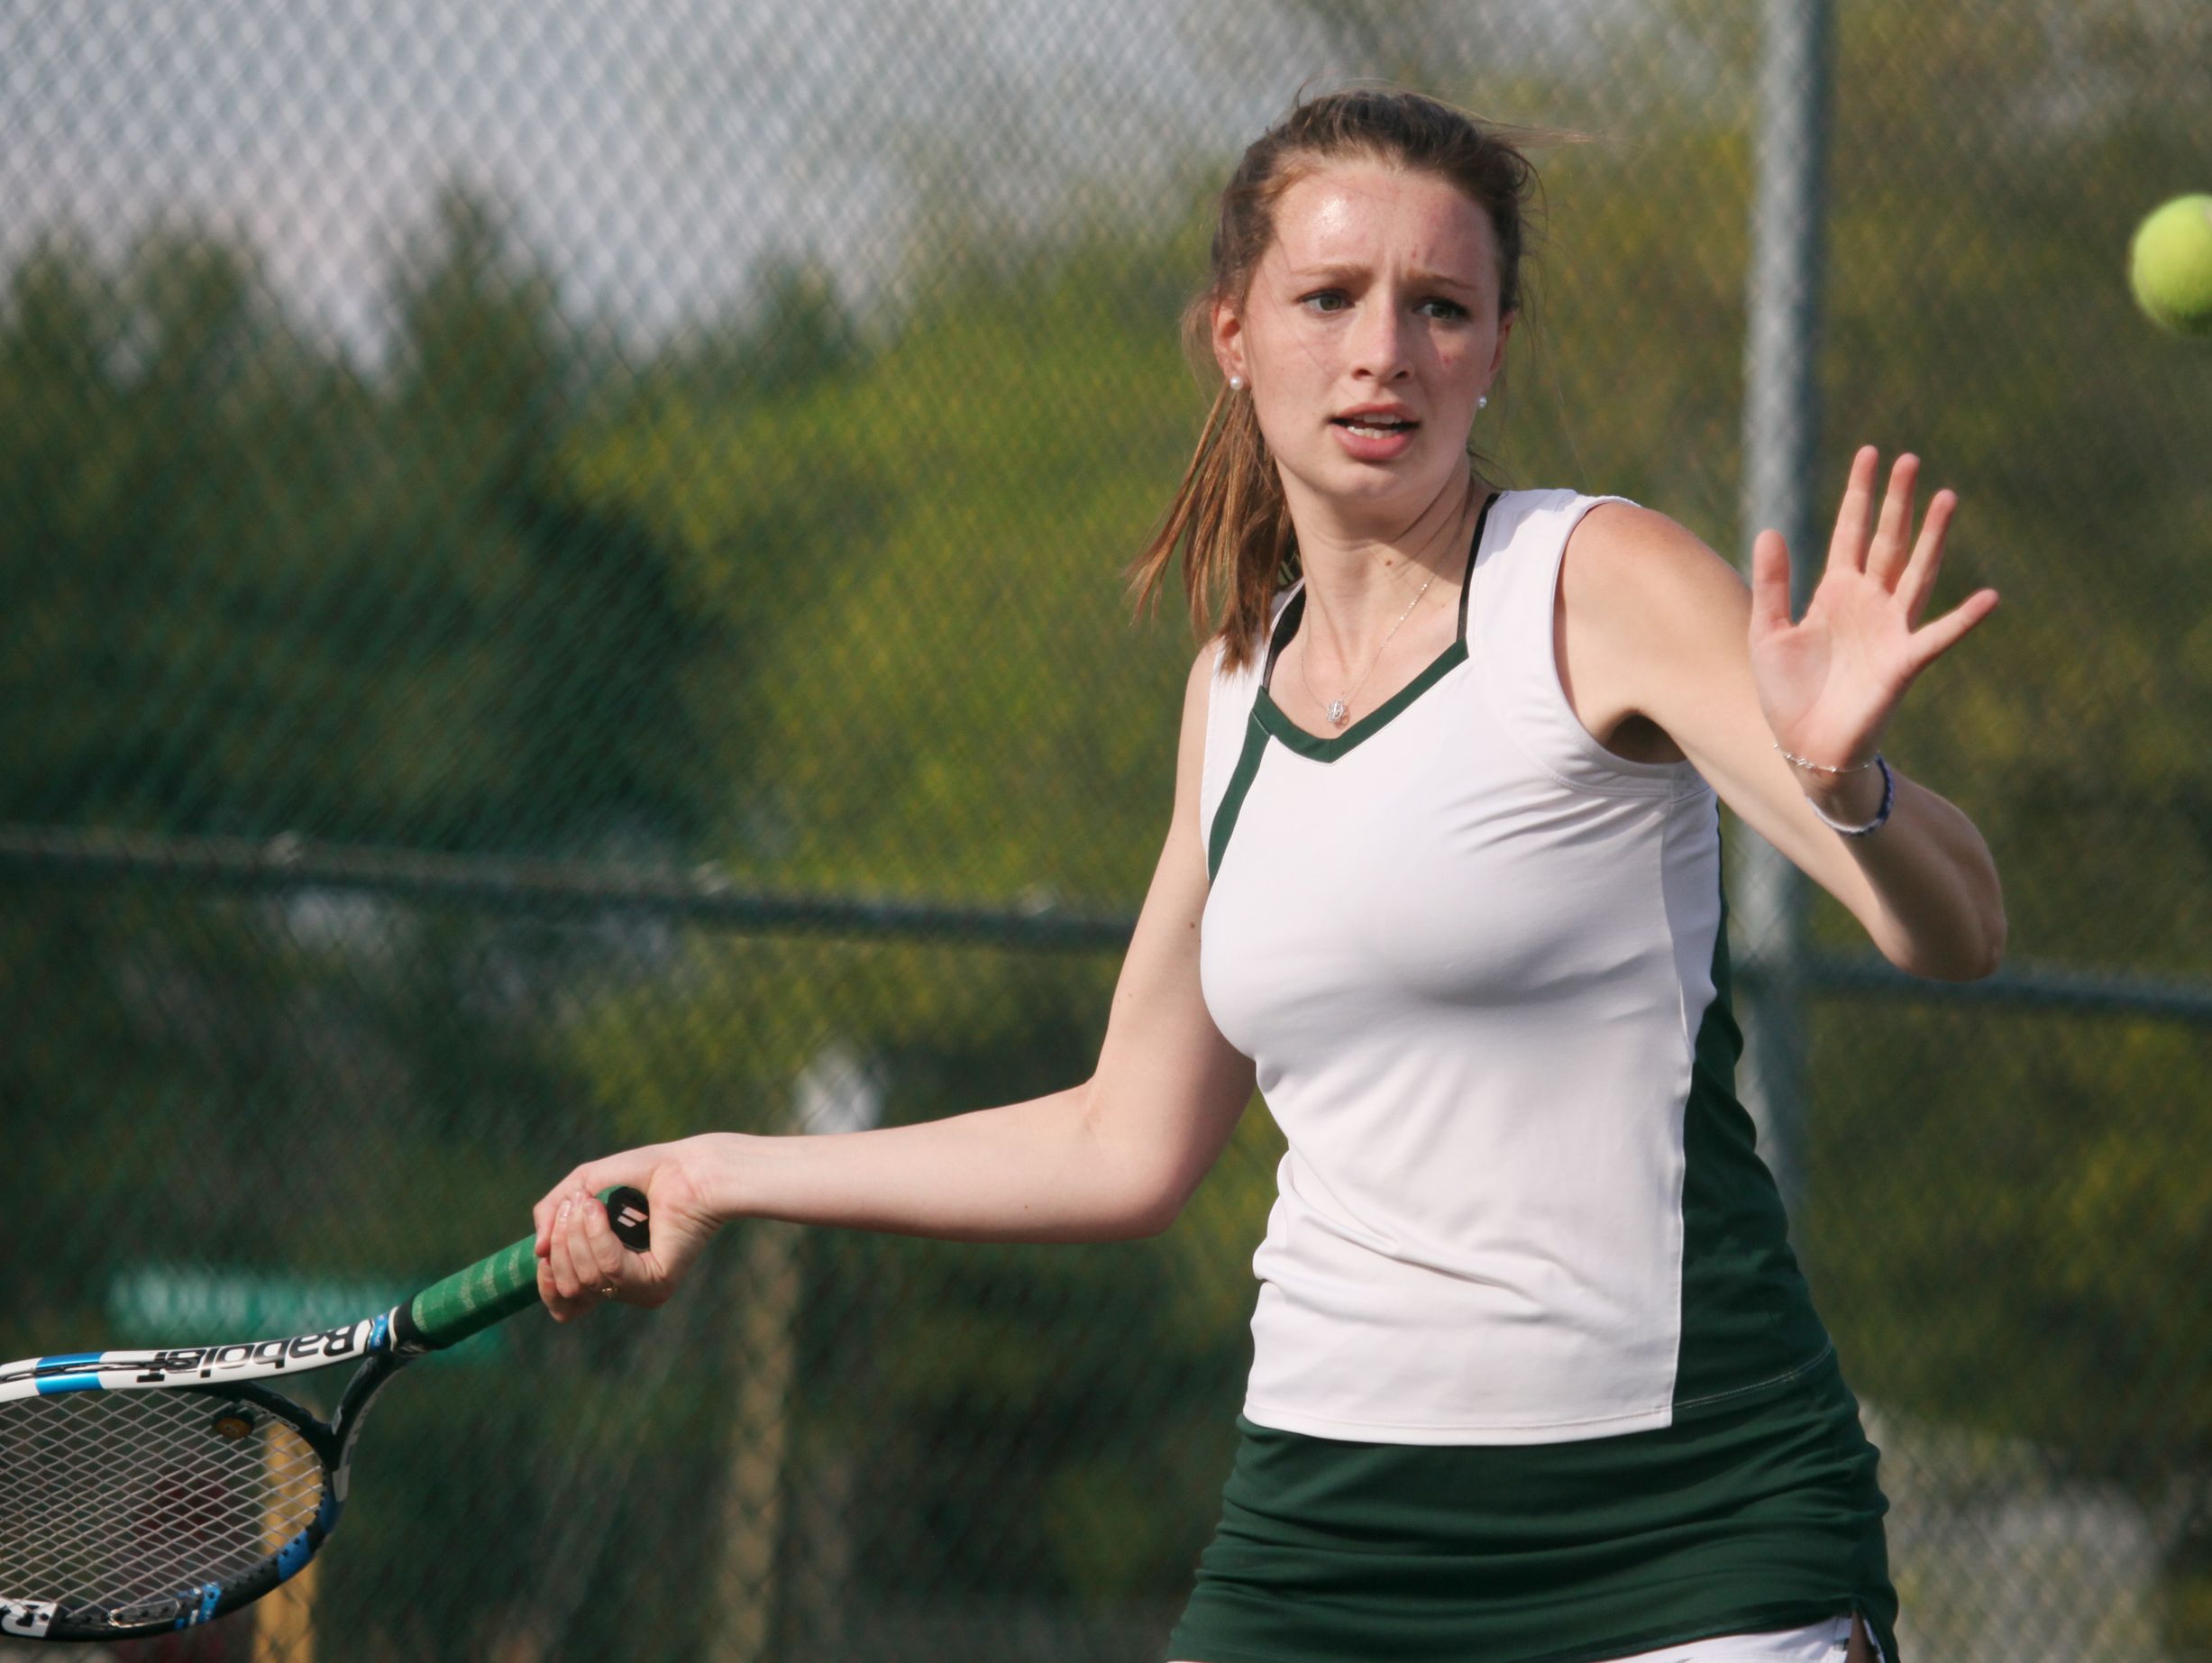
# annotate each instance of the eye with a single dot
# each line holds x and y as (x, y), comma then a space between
(1445, 308)
(1314, 302)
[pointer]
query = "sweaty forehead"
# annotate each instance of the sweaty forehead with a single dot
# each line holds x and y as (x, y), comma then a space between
(1347, 216)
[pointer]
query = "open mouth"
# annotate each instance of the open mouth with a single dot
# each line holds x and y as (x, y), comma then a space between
(1374, 426)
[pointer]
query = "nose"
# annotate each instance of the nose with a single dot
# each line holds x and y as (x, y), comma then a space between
(1381, 340)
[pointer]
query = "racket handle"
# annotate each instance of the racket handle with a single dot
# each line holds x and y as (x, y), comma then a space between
(494, 1289)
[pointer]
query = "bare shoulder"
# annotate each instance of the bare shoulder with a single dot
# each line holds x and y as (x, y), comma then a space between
(1640, 595)
(1191, 745)
(1624, 558)
(1198, 688)
(1199, 679)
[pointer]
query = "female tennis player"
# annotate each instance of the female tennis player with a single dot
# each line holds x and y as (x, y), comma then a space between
(1535, 1378)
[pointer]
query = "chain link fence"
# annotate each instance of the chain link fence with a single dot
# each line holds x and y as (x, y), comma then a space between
(562, 574)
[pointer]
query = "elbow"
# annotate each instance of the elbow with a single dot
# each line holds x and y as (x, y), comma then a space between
(1991, 916)
(1969, 957)
(1154, 1211)
(1957, 933)
(1993, 931)
(1977, 968)
(1155, 1219)
(1159, 1201)
(1148, 1206)
(1133, 1194)
(1994, 955)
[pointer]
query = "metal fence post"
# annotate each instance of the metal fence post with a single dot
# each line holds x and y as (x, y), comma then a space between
(1781, 423)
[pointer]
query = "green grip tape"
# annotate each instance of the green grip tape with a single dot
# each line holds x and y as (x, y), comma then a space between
(494, 1289)
(470, 1301)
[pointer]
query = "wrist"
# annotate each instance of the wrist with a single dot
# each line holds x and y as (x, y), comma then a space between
(1862, 826)
(1853, 798)
(719, 1166)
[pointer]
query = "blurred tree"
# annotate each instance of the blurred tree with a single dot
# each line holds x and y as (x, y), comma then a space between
(841, 610)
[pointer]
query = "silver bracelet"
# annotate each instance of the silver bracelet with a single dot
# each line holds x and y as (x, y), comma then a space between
(1823, 767)
(1889, 798)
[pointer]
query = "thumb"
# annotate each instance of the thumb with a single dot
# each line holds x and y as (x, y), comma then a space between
(634, 1168)
(1770, 585)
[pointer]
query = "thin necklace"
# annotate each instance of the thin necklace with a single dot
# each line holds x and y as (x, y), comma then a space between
(1340, 710)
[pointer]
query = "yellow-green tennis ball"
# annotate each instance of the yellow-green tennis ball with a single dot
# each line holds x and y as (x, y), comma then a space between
(2170, 266)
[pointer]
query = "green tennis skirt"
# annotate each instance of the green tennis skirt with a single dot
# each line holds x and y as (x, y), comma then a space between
(1753, 1515)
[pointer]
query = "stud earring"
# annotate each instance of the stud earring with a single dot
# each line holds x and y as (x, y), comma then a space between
(1481, 400)
(1236, 384)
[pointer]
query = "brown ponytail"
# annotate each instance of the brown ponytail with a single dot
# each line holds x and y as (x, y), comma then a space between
(1229, 516)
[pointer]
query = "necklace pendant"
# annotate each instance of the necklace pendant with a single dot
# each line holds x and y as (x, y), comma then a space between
(1337, 712)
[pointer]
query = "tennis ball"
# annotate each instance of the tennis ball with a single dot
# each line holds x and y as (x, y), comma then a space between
(2170, 266)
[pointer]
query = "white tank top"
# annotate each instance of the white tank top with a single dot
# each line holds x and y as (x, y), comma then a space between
(1479, 963)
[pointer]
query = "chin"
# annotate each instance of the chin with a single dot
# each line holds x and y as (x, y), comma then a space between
(1376, 484)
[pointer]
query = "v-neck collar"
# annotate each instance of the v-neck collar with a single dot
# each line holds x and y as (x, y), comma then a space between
(1269, 714)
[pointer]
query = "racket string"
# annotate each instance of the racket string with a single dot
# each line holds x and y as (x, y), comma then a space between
(111, 1500)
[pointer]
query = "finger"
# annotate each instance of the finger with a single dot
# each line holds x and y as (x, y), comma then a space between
(581, 1262)
(1847, 549)
(1893, 536)
(557, 1308)
(1942, 634)
(601, 1251)
(549, 1204)
(594, 1254)
(1770, 585)
(561, 1257)
(632, 1166)
(1919, 580)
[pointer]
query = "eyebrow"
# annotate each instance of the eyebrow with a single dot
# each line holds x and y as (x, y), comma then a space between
(1438, 279)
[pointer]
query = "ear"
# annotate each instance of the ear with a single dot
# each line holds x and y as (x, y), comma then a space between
(1497, 359)
(1227, 333)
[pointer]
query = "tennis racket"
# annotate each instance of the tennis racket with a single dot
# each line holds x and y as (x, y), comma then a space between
(147, 1491)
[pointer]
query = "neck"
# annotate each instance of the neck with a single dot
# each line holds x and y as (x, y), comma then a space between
(1360, 578)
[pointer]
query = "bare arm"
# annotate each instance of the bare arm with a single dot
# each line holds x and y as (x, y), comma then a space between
(1115, 1157)
(1660, 625)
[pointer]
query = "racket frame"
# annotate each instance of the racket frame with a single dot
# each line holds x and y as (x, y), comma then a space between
(442, 1315)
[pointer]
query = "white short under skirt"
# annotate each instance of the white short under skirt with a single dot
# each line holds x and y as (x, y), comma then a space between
(1816, 1642)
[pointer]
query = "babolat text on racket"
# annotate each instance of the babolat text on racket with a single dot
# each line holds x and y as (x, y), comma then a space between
(147, 1491)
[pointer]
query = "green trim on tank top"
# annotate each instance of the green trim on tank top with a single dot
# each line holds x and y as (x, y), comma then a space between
(1232, 799)
(1749, 1322)
(1269, 714)
(1267, 718)
(1327, 748)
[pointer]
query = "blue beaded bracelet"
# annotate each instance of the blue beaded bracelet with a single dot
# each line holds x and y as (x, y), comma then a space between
(1889, 798)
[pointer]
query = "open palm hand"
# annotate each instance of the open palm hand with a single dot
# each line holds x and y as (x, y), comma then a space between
(1830, 683)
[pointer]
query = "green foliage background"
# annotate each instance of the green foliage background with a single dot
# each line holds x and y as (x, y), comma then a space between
(830, 600)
